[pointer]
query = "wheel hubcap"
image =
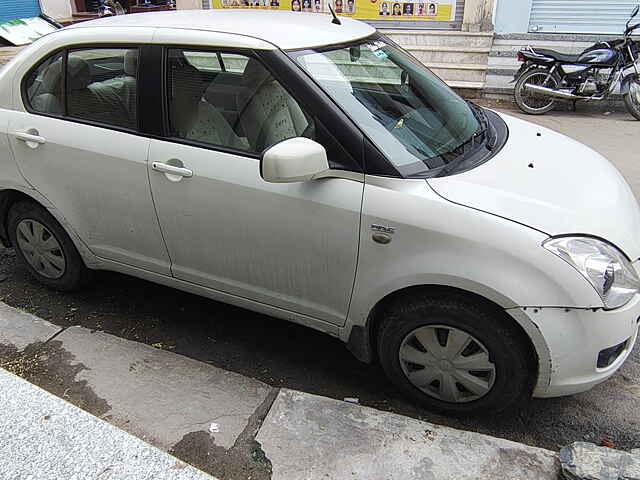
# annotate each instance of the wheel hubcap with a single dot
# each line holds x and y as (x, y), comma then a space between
(447, 363)
(41, 249)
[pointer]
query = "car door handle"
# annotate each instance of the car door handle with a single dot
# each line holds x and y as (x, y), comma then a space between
(171, 170)
(30, 137)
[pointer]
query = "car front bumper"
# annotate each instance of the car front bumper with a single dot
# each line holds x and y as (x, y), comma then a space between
(585, 346)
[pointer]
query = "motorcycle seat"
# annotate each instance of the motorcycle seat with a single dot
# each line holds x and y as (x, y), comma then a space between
(561, 57)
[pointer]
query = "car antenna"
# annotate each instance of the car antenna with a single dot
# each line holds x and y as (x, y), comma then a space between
(335, 20)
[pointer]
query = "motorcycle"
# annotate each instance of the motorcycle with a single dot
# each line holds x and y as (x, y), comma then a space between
(593, 75)
(109, 8)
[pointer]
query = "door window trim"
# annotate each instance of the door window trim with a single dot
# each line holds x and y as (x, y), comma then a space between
(65, 53)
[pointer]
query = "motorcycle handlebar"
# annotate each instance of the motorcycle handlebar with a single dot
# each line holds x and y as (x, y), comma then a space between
(630, 29)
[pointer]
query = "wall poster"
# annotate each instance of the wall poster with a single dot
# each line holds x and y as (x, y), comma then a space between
(443, 10)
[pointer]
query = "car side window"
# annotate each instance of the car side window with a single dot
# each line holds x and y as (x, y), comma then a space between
(233, 62)
(244, 109)
(233, 101)
(95, 84)
(101, 86)
(43, 87)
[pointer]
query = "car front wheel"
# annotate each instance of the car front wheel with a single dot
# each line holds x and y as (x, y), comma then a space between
(454, 355)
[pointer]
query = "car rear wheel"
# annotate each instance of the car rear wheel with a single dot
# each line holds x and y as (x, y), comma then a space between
(454, 355)
(45, 248)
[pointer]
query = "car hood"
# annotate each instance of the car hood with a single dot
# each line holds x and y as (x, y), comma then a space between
(552, 183)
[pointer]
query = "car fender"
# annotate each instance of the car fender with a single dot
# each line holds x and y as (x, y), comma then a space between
(438, 243)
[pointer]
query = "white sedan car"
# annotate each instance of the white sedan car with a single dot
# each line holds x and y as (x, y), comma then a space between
(312, 170)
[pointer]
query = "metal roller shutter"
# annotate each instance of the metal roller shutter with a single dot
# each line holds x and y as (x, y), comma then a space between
(11, 9)
(580, 16)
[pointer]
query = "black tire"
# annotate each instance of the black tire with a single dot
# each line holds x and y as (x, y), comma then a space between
(521, 97)
(509, 352)
(633, 105)
(75, 274)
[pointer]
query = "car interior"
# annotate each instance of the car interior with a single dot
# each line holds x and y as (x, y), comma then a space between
(247, 106)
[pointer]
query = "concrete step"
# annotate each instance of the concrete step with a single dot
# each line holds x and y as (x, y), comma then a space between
(493, 80)
(408, 38)
(461, 84)
(510, 61)
(504, 70)
(450, 54)
(457, 66)
(499, 49)
(459, 74)
(441, 48)
(551, 44)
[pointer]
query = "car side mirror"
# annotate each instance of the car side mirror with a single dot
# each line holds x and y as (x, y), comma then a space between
(297, 159)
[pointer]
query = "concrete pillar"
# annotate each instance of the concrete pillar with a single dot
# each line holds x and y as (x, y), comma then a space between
(478, 16)
(189, 4)
(56, 9)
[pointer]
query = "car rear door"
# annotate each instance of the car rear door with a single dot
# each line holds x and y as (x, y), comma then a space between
(292, 246)
(77, 140)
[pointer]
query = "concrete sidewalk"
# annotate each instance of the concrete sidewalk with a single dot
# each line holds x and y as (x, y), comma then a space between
(228, 425)
(46, 438)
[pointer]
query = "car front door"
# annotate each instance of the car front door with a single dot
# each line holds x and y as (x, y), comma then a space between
(293, 246)
(77, 142)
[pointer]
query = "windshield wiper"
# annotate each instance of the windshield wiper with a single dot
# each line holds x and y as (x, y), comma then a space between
(485, 126)
(484, 129)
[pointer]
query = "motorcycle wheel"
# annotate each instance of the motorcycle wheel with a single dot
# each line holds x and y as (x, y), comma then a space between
(535, 103)
(632, 99)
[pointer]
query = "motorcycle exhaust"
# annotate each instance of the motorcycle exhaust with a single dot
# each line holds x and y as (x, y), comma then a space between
(551, 92)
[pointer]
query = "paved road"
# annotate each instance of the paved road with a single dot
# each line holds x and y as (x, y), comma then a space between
(287, 355)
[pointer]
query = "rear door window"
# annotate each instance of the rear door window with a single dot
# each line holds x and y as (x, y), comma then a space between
(98, 85)
(102, 86)
(43, 87)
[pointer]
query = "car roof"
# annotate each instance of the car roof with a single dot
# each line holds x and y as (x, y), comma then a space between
(285, 30)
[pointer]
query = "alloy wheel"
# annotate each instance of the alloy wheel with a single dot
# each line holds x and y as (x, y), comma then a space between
(447, 363)
(41, 249)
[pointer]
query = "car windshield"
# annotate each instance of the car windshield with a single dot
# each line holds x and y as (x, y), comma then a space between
(413, 117)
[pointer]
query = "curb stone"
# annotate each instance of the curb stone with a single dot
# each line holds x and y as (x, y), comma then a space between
(46, 438)
(586, 461)
(308, 437)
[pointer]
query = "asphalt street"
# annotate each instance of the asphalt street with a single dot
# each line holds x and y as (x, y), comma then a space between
(287, 355)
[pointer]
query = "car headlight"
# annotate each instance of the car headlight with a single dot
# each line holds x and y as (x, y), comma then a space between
(603, 265)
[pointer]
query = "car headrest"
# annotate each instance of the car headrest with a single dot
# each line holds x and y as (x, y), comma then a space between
(78, 73)
(131, 63)
(188, 86)
(52, 77)
(255, 74)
